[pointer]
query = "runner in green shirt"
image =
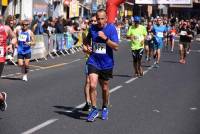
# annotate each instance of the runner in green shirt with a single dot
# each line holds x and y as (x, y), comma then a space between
(137, 34)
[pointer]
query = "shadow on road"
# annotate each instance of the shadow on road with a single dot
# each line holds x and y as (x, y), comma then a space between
(118, 75)
(170, 61)
(72, 112)
(11, 78)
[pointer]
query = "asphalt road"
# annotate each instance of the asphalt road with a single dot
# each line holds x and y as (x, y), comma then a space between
(164, 101)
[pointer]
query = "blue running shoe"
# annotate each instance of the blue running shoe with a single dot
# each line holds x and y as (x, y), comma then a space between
(104, 115)
(93, 114)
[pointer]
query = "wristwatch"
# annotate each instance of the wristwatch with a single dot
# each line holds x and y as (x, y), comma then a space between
(106, 39)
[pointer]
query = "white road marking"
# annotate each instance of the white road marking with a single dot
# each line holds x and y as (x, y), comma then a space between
(132, 79)
(38, 127)
(198, 51)
(115, 89)
(43, 68)
(156, 110)
(193, 108)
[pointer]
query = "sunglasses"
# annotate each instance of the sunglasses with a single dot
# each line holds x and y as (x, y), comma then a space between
(100, 18)
(25, 24)
(93, 20)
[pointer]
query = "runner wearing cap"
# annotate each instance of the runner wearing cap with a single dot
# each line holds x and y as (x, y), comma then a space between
(137, 34)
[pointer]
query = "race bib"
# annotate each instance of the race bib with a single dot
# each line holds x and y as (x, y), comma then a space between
(1, 51)
(183, 33)
(22, 37)
(160, 34)
(139, 37)
(99, 48)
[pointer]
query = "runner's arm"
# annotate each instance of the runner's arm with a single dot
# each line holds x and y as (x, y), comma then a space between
(87, 45)
(32, 42)
(111, 41)
(13, 38)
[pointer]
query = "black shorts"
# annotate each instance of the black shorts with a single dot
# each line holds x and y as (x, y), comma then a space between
(137, 54)
(103, 74)
(24, 56)
(149, 43)
(1, 67)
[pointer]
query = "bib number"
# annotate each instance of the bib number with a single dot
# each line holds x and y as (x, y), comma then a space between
(99, 48)
(160, 34)
(183, 33)
(1, 51)
(22, 37)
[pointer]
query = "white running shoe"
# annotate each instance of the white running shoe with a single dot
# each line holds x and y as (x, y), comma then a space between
(25, 77)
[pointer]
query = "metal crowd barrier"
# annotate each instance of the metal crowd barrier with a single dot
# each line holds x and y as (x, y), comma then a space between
(53, 45)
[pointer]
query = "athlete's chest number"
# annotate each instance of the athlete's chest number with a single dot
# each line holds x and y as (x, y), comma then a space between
(22, 37)
(160, 34)
(99, 48)
(1, 51)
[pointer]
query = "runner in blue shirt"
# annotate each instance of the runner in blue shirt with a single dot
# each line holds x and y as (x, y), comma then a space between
(25, 40)
(159, 32)
(104, 40)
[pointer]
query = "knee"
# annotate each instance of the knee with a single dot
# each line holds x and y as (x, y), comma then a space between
(92, 86)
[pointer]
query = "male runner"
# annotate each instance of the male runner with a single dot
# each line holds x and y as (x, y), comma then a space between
(87, 106)
(26, 39)
(137, 34)
(104, 40)
(184, 41)
(159, 31)
(5, 33)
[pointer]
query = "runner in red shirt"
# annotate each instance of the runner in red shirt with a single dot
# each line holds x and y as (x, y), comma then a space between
(5, 33)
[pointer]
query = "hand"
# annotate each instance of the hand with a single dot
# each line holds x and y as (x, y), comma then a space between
(102, 35)
(28, 43)
(9, 49)
(89, 49)
(142, 43)
(133, 37)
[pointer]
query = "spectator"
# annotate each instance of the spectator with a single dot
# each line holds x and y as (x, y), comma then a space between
(38, 25)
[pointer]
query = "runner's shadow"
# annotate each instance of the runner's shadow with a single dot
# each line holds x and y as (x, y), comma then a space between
(11, 78)
(146, 65)
(72, 112)
(170, 61)
(118, 75)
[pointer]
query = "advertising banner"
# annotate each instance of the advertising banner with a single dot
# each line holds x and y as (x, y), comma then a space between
(74, 9)
(40, 6)
(4, 2)
(162, 1)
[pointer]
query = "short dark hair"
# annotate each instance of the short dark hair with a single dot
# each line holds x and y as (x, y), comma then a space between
(100, 10)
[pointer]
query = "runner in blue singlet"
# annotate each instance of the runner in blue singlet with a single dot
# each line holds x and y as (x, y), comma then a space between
(159, 32)
(25, 40)
(104, 40)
